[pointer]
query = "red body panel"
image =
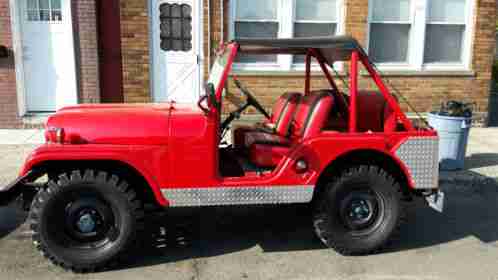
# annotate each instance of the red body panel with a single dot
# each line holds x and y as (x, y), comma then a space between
(176, 146)
(147, 160)
(139, 124)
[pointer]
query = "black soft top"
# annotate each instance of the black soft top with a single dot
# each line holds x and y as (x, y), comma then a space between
(333, 48)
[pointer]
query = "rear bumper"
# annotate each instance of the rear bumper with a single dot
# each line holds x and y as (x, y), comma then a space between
(436, 200)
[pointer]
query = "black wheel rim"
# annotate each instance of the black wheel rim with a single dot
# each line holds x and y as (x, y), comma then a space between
(83, 219)
(360, 208)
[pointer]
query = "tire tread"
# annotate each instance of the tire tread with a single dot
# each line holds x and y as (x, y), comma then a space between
(66, 180)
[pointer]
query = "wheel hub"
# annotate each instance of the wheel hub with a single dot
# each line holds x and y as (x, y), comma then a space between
(358, 209)
(88, 219)
(87, 222)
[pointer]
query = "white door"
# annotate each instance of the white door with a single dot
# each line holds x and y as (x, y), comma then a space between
(176, 50)
(48, 54)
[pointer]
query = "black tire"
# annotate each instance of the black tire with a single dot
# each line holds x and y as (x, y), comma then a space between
(358, 211)
(85, 222)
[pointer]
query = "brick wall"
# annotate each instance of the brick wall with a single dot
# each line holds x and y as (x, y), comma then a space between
(135, 46)
(85, 26)
(423, 90)
(84, 22)
(135, 50)
(8, 97)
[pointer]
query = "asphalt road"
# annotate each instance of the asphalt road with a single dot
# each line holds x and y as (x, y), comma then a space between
(278, 243)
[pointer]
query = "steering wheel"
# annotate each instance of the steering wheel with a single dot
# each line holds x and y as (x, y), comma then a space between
(251, 100)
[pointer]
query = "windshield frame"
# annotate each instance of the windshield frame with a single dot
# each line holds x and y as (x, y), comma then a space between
(230, 50)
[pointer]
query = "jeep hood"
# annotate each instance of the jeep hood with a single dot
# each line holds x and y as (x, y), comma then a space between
(121, 124)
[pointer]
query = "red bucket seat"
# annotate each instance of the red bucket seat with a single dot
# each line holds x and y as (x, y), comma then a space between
(266, 150)
(279, 123)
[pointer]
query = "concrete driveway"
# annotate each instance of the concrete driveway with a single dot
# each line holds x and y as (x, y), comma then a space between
(278, 243)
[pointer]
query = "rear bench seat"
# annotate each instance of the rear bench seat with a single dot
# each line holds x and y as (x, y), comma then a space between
(374, 114)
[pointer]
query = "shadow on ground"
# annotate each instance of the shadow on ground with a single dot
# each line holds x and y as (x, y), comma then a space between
(10, 219)
(181, 234)
(470, 210)
(481, 160)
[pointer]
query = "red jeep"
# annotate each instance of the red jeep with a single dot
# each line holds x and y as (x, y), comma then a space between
(353, 154)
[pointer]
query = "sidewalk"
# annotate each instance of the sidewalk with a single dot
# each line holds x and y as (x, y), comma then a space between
(21, 136)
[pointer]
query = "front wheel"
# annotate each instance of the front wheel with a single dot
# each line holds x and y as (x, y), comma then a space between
(358, 211)
(84, 221)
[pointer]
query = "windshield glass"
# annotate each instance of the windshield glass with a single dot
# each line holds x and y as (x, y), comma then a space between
(218, 68)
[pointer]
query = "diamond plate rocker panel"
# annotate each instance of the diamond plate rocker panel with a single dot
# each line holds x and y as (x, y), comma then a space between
(421, 157)
(238, 195)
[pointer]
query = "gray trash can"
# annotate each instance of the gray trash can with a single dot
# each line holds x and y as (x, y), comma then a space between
(453, 137)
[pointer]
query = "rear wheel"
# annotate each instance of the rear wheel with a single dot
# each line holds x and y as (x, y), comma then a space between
(84, 221)
(358, 211)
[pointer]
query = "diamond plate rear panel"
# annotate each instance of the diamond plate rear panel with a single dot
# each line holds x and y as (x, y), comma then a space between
(421, 156)
(238, 195)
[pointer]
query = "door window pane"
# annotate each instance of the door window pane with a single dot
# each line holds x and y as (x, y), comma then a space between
(44, 5)
(56, 15)
(55, 4)
(449, 11)
(44, 10)
(443, 43)
(33, 13)
(391, 10)
(176, 27)
(32, 4)
(316, 10)
(312, 29)
(389, 42)
(256, 9)
(256, 30)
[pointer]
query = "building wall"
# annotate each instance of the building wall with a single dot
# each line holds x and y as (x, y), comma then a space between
(84, 24)
(135, 51)
(425, 90)
(8, 96)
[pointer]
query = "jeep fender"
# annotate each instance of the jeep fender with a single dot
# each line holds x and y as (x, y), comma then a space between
(136, 157)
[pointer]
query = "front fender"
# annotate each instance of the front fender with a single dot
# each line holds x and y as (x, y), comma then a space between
(146, 160)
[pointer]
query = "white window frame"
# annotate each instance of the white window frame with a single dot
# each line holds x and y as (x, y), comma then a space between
(416, 45)
(285, 12)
